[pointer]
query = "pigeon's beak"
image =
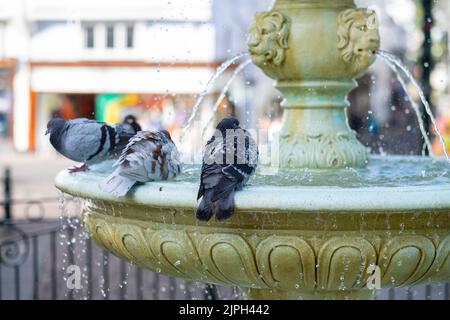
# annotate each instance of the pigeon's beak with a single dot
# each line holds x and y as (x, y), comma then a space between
(47, 131)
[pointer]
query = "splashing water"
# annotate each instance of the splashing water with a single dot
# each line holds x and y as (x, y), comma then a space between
(219, 71)
(225, 89)
(396, 64)
(382, 172)
(414, 105)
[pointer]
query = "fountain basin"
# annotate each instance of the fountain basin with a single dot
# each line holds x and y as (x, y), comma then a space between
(284, 242)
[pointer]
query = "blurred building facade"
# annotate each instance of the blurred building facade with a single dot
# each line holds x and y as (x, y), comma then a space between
(104, 59)
(71, 57)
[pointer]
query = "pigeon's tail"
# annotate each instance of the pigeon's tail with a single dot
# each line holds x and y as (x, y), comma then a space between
(223, 198)
(225, 207)
(117, 185)
(206, 208)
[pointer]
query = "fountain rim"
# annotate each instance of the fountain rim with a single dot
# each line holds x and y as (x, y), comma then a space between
(183, 195)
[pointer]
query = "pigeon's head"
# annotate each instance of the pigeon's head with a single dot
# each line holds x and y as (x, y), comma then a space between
(131, 120)
(227, 124)
(55, 125)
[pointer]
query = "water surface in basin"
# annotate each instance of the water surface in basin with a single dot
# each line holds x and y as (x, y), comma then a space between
(383, 171)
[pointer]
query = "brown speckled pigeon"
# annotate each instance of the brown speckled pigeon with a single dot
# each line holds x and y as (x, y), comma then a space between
(150, 156)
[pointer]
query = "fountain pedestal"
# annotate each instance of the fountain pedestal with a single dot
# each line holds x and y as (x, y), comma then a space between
(314, 49)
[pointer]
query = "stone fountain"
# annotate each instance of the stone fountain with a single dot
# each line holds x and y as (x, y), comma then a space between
(295, 239)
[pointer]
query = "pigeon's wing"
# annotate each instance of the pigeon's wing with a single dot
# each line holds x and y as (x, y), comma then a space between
(84, 139)
(146, 157)
(212, 166)
(123, 134)
(230, 178)
(236, 175)
(251, 153)
(247, 159)
(170, 159)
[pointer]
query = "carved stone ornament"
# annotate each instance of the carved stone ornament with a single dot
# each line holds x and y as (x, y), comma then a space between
(358, 38)
(268, 39)
(287, 263)
(322, 151)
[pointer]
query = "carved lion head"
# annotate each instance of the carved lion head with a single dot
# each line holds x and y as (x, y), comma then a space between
(358, 37)
(268, 38)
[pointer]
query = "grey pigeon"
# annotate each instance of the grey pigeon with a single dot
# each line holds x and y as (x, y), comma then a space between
(149, 156)
(229, 160)
(88, 141)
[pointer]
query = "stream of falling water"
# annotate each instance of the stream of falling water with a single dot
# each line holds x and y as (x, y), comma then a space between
(225, 89)
(219, 71)
(72, 236)
(395, 64)
(414, 105)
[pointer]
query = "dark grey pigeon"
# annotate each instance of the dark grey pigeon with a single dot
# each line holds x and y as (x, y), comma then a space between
(229, 160)
(149, 156)
(88, 141)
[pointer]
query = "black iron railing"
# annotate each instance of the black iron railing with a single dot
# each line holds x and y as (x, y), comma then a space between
(35, 258)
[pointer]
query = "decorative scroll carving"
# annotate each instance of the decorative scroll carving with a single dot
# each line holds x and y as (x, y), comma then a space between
(124, 240)
(358, 38)
(268, 39)
(405, 259)
(177, 254)
(342, 263)
(440, 270)
(103, 232)
(230, 258)
(286, 263)
(322, 151)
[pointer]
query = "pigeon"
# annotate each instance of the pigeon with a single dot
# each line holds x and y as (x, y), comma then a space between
(88, 141)
(149, 156)
(228, 163)
(131, 120)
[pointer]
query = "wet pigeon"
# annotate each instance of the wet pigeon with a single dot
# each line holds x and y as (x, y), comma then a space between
(228, 163)
(149, 156)
(88, 141)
